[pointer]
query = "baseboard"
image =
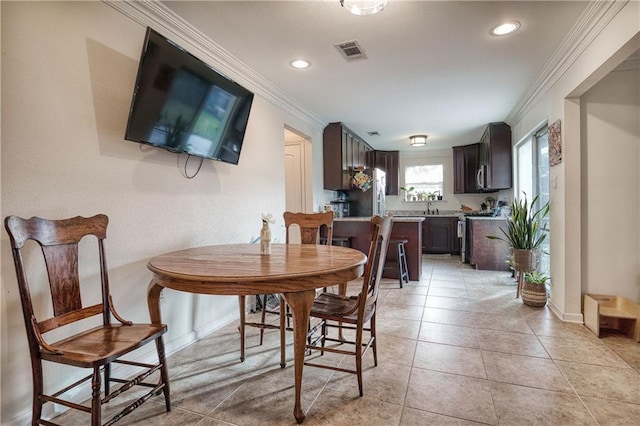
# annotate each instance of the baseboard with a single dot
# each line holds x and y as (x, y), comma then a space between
(567, 317)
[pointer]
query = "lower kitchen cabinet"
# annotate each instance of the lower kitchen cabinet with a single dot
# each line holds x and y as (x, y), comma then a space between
(439, 235)
(485, 253)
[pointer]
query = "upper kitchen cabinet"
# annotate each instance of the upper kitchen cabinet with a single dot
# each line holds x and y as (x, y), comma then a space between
(389, 162)
(495, 168)
(343, 151)
(465, 168)
(484, 166)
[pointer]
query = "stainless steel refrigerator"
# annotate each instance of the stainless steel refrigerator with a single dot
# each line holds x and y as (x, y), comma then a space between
(371, 201)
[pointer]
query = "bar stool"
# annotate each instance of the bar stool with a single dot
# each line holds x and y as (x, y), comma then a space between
(401, 264)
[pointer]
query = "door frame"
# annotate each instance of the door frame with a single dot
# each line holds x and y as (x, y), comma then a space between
(295, 137)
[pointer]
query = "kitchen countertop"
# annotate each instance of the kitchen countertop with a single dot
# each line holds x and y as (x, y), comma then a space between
(487, 217)
(423, 213)
(367, 218)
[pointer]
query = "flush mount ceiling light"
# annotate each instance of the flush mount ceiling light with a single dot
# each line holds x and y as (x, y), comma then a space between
(505, 28)
(363, 7)
(418, 140)
(300, 64)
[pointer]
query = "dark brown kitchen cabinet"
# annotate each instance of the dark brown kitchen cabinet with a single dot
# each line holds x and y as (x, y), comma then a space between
(343, 150)
(363, 159)
(485, 253)
(458, 170)
(495, 158)
(389, 162)
(465, 168)
(358, 231)
(484, 166)
(439, 235)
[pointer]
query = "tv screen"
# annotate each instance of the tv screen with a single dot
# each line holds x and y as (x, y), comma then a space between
(181, 104)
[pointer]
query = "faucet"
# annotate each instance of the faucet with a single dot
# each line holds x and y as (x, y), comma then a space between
(428, 207)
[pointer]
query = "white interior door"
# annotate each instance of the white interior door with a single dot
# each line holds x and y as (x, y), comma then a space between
(294, 175)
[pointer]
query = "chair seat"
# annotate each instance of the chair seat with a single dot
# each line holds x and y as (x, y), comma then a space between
(332, 306)
(101, 345)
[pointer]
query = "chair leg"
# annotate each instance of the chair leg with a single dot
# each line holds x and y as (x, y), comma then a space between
(324, 335)
(264, 316)
(107, 379)
(359, 357)
(374, 345)
(95, 398)
(241, 303)
(164, 372)
(404, 264)
(403, 269)
(36, 369)
(283, 314)
(400, 276)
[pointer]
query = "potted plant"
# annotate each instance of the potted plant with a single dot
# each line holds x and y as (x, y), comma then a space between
(525, 235)
(407, 192)
(534, 289)
(524, 232)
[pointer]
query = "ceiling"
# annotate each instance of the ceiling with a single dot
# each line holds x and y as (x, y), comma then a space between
(431, 67)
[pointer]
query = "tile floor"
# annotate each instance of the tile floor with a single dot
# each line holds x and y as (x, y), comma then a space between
(455, 348)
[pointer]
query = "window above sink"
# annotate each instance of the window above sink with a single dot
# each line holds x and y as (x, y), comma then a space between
(423, 183)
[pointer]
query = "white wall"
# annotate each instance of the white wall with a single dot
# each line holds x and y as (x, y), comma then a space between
(559, 102)
(611, 144)
(68, 70)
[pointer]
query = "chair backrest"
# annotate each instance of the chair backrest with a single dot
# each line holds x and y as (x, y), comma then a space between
(58, 240)
(310, 224)
(380, 235)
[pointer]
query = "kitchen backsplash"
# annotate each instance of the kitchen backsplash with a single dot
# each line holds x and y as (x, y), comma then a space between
(424, 212)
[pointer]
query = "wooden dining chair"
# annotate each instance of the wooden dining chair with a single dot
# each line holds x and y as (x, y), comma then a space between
(309, 225)
(95, 348)
(353, 313)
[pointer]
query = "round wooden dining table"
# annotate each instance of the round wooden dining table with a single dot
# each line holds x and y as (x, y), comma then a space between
(293, 270)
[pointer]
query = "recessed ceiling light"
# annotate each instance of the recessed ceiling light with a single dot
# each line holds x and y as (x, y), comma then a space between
(364, 7)
(505, 28)
(300, 64)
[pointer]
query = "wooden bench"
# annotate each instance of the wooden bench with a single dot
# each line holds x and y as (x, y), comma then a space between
(602, 311)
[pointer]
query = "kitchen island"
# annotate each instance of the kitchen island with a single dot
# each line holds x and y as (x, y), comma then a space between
(358, 231)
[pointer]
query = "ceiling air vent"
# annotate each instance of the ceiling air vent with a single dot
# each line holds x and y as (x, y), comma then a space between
(351, 50)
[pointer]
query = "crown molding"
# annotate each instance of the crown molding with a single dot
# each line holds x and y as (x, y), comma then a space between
(592, 21)
(152, 13)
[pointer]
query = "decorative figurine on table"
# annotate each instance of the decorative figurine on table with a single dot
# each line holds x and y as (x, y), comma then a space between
(265, 234)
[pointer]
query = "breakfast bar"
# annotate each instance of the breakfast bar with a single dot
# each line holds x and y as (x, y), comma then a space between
(358, 229)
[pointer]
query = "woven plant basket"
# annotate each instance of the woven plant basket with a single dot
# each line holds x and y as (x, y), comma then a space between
(534, 294)
(524, 260)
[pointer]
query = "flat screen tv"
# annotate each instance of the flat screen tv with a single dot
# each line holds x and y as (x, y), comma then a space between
(181, 104)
